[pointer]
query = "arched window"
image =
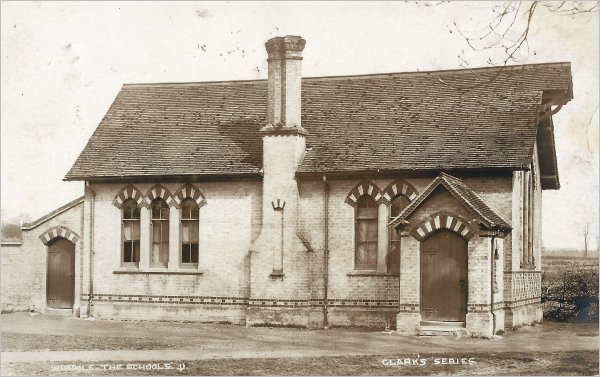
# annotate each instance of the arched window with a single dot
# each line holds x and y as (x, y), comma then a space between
(366, 233)
(160, 233)
(190, 219)
(131, 233)
(397, 204)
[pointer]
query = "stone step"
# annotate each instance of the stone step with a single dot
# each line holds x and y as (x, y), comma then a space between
(58, 312)
(444, 324)
(442, 330)
(435, 328)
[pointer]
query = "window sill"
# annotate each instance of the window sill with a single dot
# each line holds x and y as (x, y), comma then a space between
(371, 273)
(158, 271)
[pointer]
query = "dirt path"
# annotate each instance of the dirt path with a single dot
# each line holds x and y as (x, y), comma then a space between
(41, 340)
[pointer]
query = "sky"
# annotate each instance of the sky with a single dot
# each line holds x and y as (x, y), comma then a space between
(63, 63)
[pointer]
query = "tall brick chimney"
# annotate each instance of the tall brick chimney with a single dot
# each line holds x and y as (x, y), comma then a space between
(285, 80)
(273, 253)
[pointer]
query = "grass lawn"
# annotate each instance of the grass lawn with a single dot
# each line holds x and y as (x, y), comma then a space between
(510, 363)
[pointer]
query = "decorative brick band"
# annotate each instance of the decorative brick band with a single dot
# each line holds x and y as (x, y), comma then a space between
(399, 187)
(189, 191)
(442, 220)
(524, 302)
(343, 303)
(362, 303)
(478, 308)
(158, 192)
(128, 192)
(364, 188)
(59, 231)
(148, 299)
(241, 301)
(409, 308)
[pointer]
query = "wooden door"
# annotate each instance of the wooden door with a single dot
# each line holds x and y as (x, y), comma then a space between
(60, 283)
(444, 277)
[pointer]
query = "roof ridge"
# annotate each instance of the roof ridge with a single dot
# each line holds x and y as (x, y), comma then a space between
(353, 76)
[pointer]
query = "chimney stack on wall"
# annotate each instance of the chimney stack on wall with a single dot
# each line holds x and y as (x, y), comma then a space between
(284, 146)
(285, 81)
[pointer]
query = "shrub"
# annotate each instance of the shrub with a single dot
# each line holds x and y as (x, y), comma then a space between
(571, 295)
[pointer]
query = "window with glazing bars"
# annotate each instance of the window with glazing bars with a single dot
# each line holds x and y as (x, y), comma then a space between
(366, 233)
(393, 263)
(190, 218)
(160, 233)
(131, 233)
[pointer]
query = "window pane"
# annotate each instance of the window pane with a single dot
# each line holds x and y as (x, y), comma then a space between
(185, 231)
(361, 231)
(156, 231)
(136, 251)
(135, 212)
(195, 212)
(371, 230)
(164, 253)
(189, 209)
(135, 231)
(194, 252)
(361, 254)
(372, 253)
(366, 254)
(185, 253)
(394, 235)
(127, 251)
(127, 230)
(398, 204)
(165, 231)
(194, 231)
(155, 253)
(366, 201)
(394, 256)
(367, 213)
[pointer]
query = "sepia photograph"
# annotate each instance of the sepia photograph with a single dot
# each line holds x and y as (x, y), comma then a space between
(299, 188)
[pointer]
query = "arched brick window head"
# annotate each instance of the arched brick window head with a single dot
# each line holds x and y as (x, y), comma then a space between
(364, 188)
(366, 228)
(131, 233)
(160, 233)
(128, 192)
(190, 219)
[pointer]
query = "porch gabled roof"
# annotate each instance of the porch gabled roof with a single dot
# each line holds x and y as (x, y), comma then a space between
(465, 195)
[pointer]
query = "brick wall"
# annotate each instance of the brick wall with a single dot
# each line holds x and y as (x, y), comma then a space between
(522, 287)
(229, 222)
(23, 271)
(232, 284)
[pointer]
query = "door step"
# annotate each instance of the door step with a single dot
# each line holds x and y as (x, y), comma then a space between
(435, 328)
(58, 312)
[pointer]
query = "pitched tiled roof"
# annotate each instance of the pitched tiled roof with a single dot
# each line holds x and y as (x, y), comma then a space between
(461, 119)
(465, 195)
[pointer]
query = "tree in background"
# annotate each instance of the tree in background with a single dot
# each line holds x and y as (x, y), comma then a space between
(508, 29)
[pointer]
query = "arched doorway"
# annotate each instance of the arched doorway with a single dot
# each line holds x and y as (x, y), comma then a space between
(444, 277)
(60, 279)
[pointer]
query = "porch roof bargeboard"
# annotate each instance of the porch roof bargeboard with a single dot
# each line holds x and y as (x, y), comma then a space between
(482, 211)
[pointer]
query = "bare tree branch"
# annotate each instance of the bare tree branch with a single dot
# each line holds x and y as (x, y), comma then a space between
(509, 30)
